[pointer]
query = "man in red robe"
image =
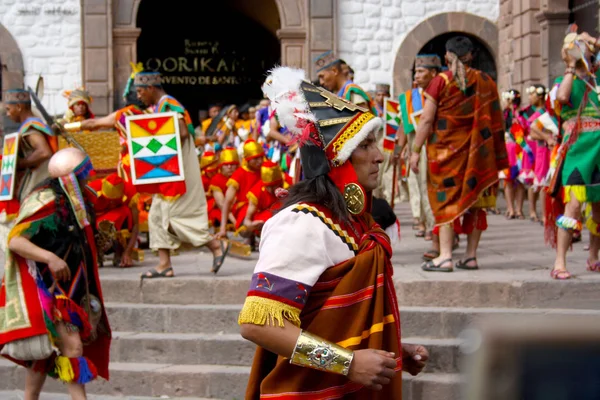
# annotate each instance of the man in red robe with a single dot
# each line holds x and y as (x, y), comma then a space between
(229, 162)
(240, 183)
(117, 205)
(262, 200)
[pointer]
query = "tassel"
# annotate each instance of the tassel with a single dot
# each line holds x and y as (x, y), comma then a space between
(263, 311)
(64, 369)
(70, 312)
(87, 371)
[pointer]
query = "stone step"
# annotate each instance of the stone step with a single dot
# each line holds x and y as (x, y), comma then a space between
(20, 395)
(232, 349)
(143, 381)
(435, 322)
(581, 294)
(150, 380)
(432, 387)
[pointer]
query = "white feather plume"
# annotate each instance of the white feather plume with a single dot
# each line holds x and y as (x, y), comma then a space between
(282, 87)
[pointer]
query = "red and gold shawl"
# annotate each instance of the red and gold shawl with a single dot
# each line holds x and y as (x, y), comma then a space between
(352, 304)
(466, 149)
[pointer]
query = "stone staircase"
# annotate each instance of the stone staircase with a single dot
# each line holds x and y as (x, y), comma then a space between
(172, 339)
(178, 338)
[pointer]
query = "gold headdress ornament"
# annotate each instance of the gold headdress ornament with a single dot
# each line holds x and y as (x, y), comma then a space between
(113, 187)
(228, 156)
(270, 173)
(208, 161)
(253, 149)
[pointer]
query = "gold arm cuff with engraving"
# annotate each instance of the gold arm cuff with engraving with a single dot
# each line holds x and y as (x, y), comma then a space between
(416, 149)
(314, 352)
(72, 126)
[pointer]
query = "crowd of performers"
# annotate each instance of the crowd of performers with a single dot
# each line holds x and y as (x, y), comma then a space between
(308, 176)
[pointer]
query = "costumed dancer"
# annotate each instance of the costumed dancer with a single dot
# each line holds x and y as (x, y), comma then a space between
(334, 76)
(229, 162)
(576, 179)
(58, 325)
(386, 170)
(467, 154)
(80, 105)
(317, 253)
(516, 149)
(209, 167)
(262, 198)
(427, 67)
(177, 215)
(242, 180)
(117, 219)
(37, 143)
(537, 99)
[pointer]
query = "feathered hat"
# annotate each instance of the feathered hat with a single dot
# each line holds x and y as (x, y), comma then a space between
(327, 128)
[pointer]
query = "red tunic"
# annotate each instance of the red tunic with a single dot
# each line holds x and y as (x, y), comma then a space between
(265, 202)
(115, 210)
(242, 179)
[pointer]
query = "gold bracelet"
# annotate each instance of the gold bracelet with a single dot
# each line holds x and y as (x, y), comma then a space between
(72, 126)
(416, 149)
(314, 352)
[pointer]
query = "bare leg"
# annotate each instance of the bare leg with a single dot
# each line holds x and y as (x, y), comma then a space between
(532, 197)
(472, 245)
(164, 260)
(520, 199)
(509, 193)
(446, 240)
(543, 204)
(572, 210)
(69, 344)
(34, 382)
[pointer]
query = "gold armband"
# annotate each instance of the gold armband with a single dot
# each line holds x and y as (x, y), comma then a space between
(73, 126)
(416, 149)
(314, 352)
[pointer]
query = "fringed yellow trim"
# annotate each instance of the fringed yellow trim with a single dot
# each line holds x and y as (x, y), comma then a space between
(579, 191)
(263, 311)
(485, 202)
(64, 369)
(592, 226)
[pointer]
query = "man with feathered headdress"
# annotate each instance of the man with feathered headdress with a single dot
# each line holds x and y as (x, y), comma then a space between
(324, 275)
(462, 118)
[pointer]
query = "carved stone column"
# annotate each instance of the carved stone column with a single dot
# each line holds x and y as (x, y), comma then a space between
(553, 19)
(124, 52)
(293, 47)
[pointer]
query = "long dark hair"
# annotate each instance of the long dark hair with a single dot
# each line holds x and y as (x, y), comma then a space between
(320, 190)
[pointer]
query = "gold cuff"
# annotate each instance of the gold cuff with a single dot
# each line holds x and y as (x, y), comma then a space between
(416, 149)
(314, 352)
(72, 126)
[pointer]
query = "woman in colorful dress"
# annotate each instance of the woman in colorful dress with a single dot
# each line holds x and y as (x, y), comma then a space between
(533, 167)
(577, 178)
(513, 189)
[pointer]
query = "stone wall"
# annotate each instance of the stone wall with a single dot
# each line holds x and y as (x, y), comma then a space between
(370, 32)
(520, 45)
(52, 49)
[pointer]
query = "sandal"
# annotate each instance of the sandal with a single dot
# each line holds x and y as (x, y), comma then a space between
(534, 218)
(151, 274)
(430, 266)
(430, 255)
(560, 274)
(420, 234)
(462, 264)
(595, 267)
(428, 236)
(519, 216)
(218, 261)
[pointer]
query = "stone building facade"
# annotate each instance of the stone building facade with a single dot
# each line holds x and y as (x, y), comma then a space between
(92, 42)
